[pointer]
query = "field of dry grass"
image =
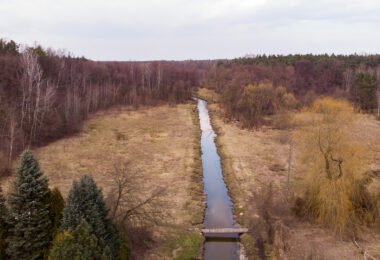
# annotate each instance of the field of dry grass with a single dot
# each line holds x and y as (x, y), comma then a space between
(254, 160)
(160, 143)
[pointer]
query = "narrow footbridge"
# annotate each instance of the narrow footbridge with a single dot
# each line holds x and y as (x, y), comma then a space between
(217, 231)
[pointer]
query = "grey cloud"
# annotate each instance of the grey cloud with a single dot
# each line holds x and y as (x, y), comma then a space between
(182, 29)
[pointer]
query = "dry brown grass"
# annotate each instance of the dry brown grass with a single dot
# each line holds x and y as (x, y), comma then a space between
(368, 134)
(254, 159)
(159, 142)
(154, 140)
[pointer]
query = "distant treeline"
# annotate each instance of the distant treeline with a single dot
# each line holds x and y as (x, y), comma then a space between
(304, 75)
(352, 60)
(45, 94)
(353, 77)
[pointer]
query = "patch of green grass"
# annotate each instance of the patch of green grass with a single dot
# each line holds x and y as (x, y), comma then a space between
(249, 245)
(185, 245)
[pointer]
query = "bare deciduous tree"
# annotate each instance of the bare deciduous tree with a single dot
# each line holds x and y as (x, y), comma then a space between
(31, 92)
(348, 77)
(131, 202)
(37, 95)
(12, 128)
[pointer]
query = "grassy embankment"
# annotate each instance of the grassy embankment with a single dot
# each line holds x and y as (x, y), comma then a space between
(255, 169)
(163, 145)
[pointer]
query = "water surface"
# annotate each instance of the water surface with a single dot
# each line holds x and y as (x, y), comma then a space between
(219, 206)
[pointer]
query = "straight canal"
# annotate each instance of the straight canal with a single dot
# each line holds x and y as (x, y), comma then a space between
(218, 213)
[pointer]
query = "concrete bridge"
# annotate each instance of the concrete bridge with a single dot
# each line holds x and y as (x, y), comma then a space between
(217, 231)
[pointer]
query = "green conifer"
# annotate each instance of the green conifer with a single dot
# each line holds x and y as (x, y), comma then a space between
(85, 201)
(81, 244)
(28, 217)
(364, 91)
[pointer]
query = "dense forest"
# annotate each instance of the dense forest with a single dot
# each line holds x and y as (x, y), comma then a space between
(307, 77)
(45, 95)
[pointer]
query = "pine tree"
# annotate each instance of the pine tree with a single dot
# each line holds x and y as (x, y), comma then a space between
(364, 91)
(81, 244)
(3, 226)
(28, 217)
(85, 201)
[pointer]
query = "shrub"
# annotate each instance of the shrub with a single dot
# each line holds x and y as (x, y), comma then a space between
(332, 165)
(260, 100)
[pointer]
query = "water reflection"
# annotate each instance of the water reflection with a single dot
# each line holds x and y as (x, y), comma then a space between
(219, 206)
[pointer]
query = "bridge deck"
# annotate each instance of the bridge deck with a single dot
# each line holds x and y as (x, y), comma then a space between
(207, 231)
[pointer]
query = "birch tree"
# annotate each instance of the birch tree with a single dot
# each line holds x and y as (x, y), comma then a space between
(37, 96)
(31, 92)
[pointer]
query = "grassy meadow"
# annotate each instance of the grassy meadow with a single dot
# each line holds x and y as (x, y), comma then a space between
(161, 145)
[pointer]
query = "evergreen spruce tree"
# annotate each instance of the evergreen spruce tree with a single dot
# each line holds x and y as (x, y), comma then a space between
(81, 244)
(28, 217)
(365, 89)
(85, 201)
(3, 226)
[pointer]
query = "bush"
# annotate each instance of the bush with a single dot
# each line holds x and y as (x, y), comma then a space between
(249, 103)
(289, 101)
(364, 203)
(255, 102)
(332, 163)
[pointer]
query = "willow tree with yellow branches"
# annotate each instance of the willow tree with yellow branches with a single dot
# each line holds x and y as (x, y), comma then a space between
(332, 165)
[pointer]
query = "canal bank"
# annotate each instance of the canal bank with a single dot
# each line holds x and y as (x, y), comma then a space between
(219, 210)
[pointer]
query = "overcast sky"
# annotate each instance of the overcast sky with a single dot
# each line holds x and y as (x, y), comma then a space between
(193, 29)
